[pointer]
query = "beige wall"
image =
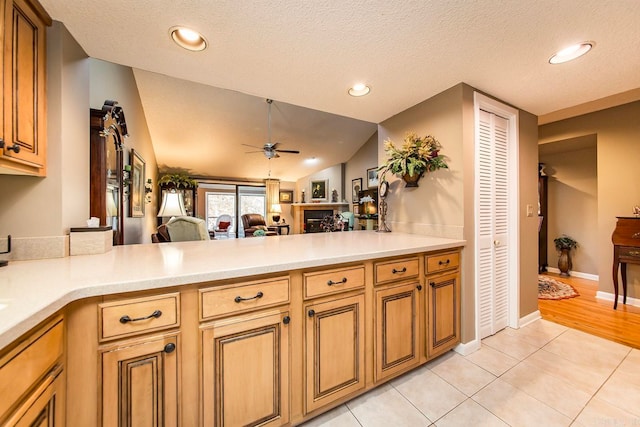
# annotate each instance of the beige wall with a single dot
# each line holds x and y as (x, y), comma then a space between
(332, 174)
(443, 204)
(365, 158)
(618, 132)
(573, 205)
(43, 207)
(116, 82)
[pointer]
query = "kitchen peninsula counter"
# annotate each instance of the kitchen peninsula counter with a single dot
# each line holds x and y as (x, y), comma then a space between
(31, 291)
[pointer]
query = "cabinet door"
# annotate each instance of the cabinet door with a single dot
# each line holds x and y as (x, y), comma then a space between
(140, 383)
(334, 336)
(245, 369)
(44, 407)
(397, 337)
(24, 85)
(444, 313)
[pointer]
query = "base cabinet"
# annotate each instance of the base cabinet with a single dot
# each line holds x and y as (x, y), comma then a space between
(443, 306)
(245, 370)
(334, 344)
(397, 332)
(45, 407)
(140, 382)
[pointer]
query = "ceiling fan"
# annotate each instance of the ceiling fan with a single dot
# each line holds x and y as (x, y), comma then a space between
(269, 149)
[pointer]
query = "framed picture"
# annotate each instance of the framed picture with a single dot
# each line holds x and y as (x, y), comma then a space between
(356, 185)
(356, 209)
(136, 185)
(318, 190)
(372, 178)
(286, 196)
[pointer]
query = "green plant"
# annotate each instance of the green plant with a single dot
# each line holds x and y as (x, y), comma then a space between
(416, 156)
(178, 180)
(565, 242)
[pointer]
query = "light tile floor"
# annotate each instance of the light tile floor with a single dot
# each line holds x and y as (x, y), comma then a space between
(543, 374)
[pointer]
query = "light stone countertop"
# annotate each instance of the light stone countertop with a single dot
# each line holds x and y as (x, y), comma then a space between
(31, 291)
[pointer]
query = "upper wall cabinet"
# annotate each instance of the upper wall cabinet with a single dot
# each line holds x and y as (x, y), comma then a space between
(23, 138)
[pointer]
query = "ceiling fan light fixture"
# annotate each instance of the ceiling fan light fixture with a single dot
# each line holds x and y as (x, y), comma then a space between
(359, 89)
(188, 39)
(570, 53)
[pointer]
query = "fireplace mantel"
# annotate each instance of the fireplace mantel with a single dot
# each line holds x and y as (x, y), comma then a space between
(299, 208)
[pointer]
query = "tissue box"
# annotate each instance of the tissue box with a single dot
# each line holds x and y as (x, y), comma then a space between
(90, 240)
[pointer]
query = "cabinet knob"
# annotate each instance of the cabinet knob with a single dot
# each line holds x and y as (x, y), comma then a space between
(403, 270)
(15, 147)
(169, 348)
(286, 320)
(311, 313)
(419, 287)
(432, 284)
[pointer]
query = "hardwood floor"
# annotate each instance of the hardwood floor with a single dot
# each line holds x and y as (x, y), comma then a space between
(592, 315)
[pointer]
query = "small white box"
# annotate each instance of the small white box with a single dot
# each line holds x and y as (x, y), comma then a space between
(90, 240)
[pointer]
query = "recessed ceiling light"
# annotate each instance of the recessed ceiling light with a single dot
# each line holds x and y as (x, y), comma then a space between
(359, 89)
(188, 38)
(571, 52)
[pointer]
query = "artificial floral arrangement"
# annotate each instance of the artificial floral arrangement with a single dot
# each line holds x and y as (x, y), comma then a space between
(416, 156)
(565, 242)
(178, 180)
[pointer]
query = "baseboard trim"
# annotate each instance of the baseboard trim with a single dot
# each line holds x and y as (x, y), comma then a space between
(608, 296)
(587, 276)
(529, 318)
(467, 348)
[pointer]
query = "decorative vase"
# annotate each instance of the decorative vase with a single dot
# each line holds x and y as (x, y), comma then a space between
(564, 262)
(411, 180)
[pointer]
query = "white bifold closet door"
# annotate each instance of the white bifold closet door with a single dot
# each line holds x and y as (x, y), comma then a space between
(493, 223)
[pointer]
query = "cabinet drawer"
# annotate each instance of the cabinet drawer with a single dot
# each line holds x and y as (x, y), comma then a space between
(442, 262)
(327, 282)
(629, 252)
(241, 297)
(138, 315)
(395, 270)
(22, 368)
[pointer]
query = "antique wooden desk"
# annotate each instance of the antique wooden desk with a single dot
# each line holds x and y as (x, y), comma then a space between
(626, 249)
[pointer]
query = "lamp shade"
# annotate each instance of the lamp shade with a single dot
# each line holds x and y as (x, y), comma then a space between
(172, 204)
(276, 208)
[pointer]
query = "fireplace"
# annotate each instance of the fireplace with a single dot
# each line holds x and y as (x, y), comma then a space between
(313, 218)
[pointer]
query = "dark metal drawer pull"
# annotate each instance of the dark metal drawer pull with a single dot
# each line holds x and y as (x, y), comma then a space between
(15, 147)
(404, 270)
(331, 282)
(286, 320)
(258, 295)
(444, 262)
(311, 313)
(169, 348)
(419, 287)
(127, 319)
(432, 284)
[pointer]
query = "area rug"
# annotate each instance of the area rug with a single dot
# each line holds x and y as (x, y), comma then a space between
(550, 288)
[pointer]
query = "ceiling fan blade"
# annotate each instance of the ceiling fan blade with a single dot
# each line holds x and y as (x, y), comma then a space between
(251, 152)
(289, 151)
(253, 146)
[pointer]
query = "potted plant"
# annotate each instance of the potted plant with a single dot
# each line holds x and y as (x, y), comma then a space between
(564, 244)
(416, 156)
(177, 180)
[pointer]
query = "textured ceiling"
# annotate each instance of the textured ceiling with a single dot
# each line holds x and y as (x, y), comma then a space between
(307, 53)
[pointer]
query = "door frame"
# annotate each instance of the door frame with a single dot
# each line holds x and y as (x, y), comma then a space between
(482, 102)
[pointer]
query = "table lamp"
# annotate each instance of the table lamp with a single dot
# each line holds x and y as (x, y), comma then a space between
(276, 210)
(172, 204)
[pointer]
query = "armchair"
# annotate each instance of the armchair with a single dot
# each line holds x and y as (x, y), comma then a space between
(184, 228)
(224, 225)
(253, 222)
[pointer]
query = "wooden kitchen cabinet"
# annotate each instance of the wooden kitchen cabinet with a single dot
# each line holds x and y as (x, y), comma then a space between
(335, 352)
(397, 330)
(140, 382)
(32, 379)
(23, 134)
(245, 370)
(443, 302)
